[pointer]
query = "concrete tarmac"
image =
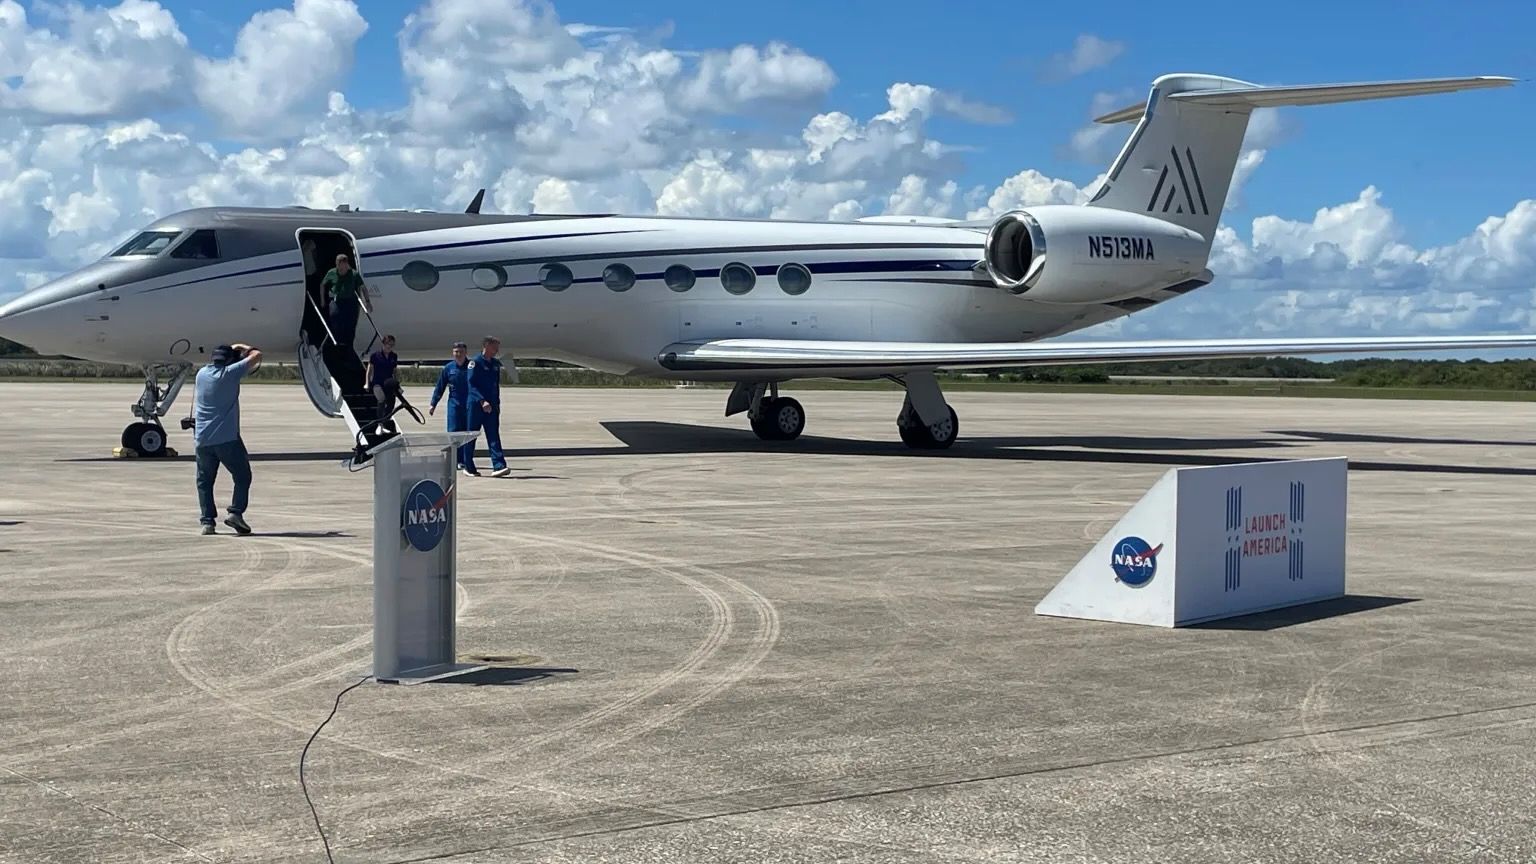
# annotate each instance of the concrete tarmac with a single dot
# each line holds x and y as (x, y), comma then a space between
(716, 649)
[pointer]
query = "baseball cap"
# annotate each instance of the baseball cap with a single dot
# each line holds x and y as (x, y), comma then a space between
(222, 355)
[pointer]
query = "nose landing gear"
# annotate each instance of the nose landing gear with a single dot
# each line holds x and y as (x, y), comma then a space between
(147, 437)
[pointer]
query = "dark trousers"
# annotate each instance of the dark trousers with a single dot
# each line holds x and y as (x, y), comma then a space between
(490, 424)
(458, 421)
(344, 321)
(233, 456)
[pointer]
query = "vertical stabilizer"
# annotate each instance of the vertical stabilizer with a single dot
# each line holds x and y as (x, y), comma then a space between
(1178, 163)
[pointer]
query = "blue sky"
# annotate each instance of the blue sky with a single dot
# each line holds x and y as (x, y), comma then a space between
(1441, 173)
(1361, 218)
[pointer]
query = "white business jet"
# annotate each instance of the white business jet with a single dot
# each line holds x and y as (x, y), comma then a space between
(747, 301)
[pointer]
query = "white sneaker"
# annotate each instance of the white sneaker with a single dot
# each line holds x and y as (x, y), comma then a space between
(501, 472)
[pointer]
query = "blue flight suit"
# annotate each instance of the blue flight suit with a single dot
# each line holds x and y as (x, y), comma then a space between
(455, 379)
(484, 374)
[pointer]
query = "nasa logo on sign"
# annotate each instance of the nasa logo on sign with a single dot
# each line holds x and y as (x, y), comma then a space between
(1134, 561)
(424, 518)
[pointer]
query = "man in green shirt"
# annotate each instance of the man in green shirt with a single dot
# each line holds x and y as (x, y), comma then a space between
(344, 285)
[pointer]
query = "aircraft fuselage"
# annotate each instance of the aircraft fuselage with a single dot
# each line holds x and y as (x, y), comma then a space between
(606, 292)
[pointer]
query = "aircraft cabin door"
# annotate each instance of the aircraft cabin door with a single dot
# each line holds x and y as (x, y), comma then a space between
(324, 333)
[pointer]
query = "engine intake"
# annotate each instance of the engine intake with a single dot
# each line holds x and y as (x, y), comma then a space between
(1015, 251)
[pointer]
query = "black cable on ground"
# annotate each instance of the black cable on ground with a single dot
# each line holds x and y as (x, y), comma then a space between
(305, 786)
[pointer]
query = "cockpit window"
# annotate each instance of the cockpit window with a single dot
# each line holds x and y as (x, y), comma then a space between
(201, 244)
(148, 243)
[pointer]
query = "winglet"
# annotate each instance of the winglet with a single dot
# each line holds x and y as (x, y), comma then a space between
(474, 206)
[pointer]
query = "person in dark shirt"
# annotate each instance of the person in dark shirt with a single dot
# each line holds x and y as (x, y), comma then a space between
(455, 380)
(379, 376)
(344, 286)
(381, 364)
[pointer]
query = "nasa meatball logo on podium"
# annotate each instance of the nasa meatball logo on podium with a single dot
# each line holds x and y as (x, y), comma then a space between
(1134, 561)
(424, 519)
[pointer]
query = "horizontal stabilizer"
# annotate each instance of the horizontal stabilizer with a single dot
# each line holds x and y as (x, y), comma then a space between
(792, 354)
(1253, 96)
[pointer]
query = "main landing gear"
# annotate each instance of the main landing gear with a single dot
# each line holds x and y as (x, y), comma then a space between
(773, 417)
(926, 421)
(147, 437)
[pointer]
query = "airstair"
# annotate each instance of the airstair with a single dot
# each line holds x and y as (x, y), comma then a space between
(334, 375)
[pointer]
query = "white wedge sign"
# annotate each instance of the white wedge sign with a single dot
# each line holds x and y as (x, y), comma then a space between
(1217, 542)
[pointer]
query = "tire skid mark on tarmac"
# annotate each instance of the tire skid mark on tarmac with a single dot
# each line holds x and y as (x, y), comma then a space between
(174, 711)
(765, 635)
(1317, 699)
(627, 713)
(252, 558)
(792, 795)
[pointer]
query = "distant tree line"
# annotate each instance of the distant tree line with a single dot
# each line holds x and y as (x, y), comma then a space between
(1452, 374)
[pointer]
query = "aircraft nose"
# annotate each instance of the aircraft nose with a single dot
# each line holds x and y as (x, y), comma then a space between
(18, 322)
(34, 320)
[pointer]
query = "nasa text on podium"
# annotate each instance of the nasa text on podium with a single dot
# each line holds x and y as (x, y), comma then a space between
(1216, 542)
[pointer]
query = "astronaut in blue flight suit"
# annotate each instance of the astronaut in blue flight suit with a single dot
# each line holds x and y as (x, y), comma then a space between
(484, 374)
(455, 379)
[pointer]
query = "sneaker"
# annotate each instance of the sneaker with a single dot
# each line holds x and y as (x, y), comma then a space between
(234, 521)
(470, 472)
(501, 472)
(209, 529)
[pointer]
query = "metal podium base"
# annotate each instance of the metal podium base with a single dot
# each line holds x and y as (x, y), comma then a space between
(426, 674)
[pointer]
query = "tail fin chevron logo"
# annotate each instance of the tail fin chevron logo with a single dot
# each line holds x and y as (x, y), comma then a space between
(1179, 187)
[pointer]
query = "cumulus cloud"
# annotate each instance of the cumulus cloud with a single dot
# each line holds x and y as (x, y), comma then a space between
(909, 99)
(285, 60)
(729, 81)
(562, 118)
(1348, 271)
(132, 59)
(1099, 142)
(108, 62)
(1088, 52)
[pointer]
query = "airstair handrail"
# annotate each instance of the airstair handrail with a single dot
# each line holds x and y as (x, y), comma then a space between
(321, 313)
(368, 349)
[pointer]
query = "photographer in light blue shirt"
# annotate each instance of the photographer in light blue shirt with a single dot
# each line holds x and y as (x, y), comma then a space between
(216, 414)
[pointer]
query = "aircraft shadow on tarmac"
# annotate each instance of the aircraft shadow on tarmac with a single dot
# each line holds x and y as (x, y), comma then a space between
(1349, 604)
(659, 438)
(1365, 438)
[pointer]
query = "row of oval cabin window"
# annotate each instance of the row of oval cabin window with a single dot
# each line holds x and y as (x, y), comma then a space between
(736, 278)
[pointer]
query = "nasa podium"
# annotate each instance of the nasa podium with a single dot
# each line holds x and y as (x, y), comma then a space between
(415, 571)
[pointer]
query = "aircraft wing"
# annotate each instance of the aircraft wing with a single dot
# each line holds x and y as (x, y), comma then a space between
(791, 355)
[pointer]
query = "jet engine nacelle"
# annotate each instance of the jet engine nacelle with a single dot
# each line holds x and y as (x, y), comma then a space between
(1074, 255)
